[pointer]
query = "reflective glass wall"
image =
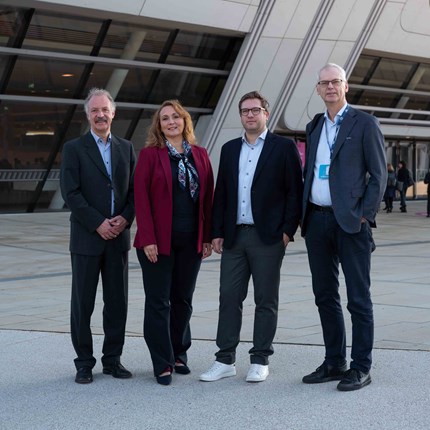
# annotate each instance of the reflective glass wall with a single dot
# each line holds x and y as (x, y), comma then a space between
(48, 63)
(397, 91)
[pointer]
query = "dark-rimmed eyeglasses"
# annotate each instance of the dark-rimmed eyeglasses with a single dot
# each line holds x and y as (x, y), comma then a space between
(255, 111)
(334, 82)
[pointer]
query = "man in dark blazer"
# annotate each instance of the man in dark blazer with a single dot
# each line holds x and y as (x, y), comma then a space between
(97, 186)
(256, 212)
(344, 180)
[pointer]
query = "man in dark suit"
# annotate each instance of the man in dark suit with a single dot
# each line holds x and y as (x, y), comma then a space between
(256, 212)
(344, 180)
(97, 185)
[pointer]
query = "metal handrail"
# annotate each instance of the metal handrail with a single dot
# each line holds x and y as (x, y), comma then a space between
(7, 175)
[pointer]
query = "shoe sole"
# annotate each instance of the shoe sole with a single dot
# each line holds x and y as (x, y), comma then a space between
(354, 387)
(256, 379)
(321, 381)
(86, 381)
(224, 375)
(182, 370)
(109, 372)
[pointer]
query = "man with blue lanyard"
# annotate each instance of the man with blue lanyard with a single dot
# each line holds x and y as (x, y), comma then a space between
(344, 180)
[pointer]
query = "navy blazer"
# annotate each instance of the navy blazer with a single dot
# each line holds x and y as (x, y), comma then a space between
(86, 189)
(276, 192)
(358, 169)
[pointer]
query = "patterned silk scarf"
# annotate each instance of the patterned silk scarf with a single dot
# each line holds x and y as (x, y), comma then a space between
(185, 169)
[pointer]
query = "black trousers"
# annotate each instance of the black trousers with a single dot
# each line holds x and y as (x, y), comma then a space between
(113, 267)
(328, 245)
(249, 257)
(169, 287)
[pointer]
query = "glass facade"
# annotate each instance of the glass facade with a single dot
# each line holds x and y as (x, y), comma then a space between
(48, 63)
(397, 92)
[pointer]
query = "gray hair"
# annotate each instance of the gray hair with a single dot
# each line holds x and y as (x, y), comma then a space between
(98, 92)
(333, 66)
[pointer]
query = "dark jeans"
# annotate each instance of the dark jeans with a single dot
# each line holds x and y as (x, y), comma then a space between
(249, 257)
(428, 203)
(402, 194)
(328, 245)
(169, 287)
(113, 267)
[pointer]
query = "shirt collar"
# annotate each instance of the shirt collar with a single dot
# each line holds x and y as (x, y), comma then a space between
(98, 138)
(261, 138)
(342, 109)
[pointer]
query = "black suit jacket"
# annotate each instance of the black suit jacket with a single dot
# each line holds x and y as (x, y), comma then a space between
(86, 189)
(276, 193)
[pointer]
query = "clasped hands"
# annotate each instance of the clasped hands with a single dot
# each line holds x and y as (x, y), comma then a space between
(112, 228)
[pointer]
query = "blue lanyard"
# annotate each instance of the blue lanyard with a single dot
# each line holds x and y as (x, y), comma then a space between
(338, 123)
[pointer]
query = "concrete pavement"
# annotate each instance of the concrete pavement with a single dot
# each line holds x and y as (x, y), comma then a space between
(37, 389)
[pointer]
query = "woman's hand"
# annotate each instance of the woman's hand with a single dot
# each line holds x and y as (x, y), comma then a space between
(151, 252)
(207, 250)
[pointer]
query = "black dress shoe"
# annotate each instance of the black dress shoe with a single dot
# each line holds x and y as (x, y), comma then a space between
(165, 378)
(325, 373)
(354, 380)
(117, 370)
(181, 367)
(84, 375)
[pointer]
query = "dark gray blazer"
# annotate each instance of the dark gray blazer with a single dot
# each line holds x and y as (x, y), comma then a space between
(358, 170)
(86, 189)
(276, 192)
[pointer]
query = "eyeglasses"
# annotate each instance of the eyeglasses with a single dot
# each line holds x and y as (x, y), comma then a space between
(334, 82)
(255, 111)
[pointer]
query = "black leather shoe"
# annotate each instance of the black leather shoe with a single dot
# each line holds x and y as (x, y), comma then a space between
(165, 378)
(84, 375)
(325, 373)
(117, 370)
(354, 380)
(181, 367)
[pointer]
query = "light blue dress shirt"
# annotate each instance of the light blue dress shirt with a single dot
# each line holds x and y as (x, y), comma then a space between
(320, 190)
(249, 155)
(105, 152)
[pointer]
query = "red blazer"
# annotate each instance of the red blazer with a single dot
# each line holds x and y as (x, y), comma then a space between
(153, 198)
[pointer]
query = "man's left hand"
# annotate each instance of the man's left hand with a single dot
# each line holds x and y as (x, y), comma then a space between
(118, 224)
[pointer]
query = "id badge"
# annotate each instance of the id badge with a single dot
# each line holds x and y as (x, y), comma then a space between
(324, 171)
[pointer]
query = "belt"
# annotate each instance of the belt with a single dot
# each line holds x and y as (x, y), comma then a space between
(244, 225)
(315, 207)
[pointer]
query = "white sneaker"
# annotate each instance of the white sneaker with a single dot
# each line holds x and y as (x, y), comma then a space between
(257, 373)
(218, 371)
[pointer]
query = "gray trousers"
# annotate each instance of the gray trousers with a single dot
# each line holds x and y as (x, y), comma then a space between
(249, 257)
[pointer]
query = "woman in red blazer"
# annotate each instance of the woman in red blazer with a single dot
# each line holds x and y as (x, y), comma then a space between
(173, 198)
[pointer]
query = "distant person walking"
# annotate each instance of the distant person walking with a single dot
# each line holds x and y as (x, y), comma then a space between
(427, 181)
(390, 190)
(403, 175)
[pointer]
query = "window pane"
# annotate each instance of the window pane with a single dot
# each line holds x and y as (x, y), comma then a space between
(44, 78)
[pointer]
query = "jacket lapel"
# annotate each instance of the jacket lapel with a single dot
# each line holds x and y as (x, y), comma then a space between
(94, 153)
(265, 152)
(165, 164)
(344, 131)
(235, 155)
(115, 149)
(311, 152)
